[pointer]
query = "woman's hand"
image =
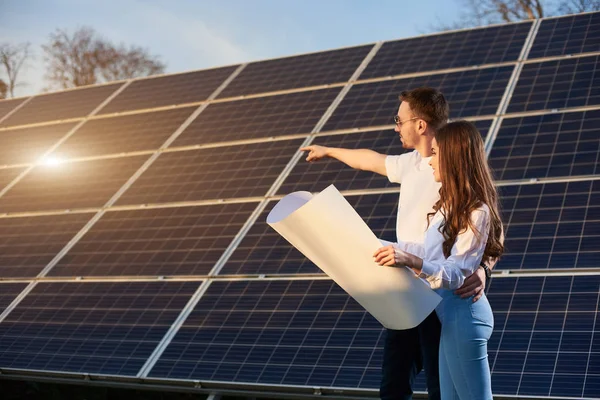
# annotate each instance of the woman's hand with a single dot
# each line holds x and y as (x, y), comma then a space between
(393, 257)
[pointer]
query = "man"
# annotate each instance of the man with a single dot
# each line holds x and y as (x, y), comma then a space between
(422, 111)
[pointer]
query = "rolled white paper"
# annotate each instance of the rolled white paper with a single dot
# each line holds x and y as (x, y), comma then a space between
(329, 232)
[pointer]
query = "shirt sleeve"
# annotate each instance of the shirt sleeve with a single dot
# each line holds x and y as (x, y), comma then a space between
(465, 255)
(416, 249)
(396, 166)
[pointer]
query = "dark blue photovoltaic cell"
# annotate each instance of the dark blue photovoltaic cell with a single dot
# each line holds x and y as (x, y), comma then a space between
(552, 225)
(91, 327)
(212, 173)
(573, 34)
(278, 332)
(8, 292)
(469, 93)
(28, 244)
(550, 145)
(549, 85)
(26, 145)
(158, 241)
(297, 72)
(264, 251)
(546, 339)
(73, 103)
(314, 177)
(449, 50)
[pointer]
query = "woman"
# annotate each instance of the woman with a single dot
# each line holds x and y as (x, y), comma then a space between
(463, 231)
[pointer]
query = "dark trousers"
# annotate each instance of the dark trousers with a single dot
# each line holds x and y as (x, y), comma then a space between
(405, 353)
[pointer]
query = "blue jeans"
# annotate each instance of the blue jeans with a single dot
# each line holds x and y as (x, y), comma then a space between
(466, 329)
(405, 353)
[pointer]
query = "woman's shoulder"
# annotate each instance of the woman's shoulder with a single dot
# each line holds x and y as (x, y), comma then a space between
(481, 212)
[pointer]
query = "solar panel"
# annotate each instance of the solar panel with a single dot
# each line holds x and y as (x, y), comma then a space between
(297, 72)
(137, 132)
(278, 332)
(28, 244)
(26, 145)
(316, 176)
(545, 341)
(449, 50)
(165, 241)
(9, 291)
(551, 225)
(168, 90)
(573, 34)
(206, 174)
(70, 185)
(549, 145)
(74, 103)
(258, 118)
(264, 251)
(559, 84)
(470, 93)
(7, 106)
(93, 327)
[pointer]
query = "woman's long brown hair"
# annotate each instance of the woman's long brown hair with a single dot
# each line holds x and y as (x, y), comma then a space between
(467, 183)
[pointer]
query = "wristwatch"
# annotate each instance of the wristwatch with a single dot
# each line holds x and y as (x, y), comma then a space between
(488, 271)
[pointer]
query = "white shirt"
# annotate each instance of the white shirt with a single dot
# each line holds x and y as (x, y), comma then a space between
(465, 256)
(418, 193)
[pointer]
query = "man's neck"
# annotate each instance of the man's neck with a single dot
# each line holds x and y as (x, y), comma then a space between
(424, 147)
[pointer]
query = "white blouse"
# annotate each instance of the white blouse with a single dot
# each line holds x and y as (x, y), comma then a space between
(465, 256)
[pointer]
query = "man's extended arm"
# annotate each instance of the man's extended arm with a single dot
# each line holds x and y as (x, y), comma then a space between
(363, 159)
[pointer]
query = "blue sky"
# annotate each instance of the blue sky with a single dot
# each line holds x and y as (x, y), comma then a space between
(190, 35)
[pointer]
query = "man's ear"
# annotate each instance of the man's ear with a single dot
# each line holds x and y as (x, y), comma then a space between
(422, 126)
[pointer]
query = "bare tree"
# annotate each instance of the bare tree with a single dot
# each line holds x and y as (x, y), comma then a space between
(3, 89)
(12, 59)
(486, 12)
(85, 58)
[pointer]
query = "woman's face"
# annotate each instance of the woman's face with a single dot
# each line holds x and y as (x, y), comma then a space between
(435, 161)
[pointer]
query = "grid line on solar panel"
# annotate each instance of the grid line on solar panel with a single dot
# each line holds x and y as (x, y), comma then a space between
(189, 87)
(7, 175)
(282, 332)
(8, 292)
(261, 117)
(27, 145)
(162, 242)
(7, 106)
(551, 226)
(550, 145)
(549, 85)
(70, 185)
(472, 47)
(122, 134)
(545, 333)
(214, 173)
(470, 93)
(264, 251)
(297, 71)
(314, 177)
(63, 105)
(28, 244)
(100, 327)
(574, 34)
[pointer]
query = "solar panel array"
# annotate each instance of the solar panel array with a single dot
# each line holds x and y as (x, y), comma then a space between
(134, 238)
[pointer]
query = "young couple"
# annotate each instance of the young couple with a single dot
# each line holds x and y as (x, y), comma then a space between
(450, 234)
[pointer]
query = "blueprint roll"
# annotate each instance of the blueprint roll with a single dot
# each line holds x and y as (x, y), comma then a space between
(329, 232)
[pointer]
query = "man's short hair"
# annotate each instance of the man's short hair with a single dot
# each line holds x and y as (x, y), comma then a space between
(428, 104)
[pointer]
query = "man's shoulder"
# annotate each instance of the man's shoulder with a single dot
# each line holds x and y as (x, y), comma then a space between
(408, 157)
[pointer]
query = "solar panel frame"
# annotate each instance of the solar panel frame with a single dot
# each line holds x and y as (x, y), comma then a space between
(9, 292)
(8, 105)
